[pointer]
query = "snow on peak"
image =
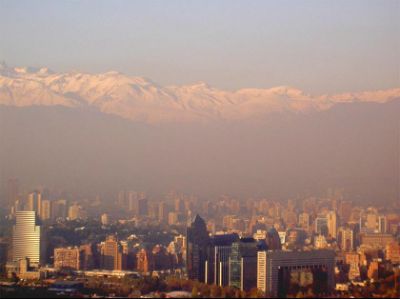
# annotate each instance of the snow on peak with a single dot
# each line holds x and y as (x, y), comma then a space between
(141, 99)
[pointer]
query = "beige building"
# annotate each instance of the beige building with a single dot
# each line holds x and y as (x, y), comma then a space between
(376, 240)
(34, 202)
(111, 254)
(67, 258)
(332, 223)
(393, 252)
(262, 271)
(45, 210)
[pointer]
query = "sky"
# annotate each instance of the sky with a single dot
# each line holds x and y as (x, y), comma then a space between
(318, 46)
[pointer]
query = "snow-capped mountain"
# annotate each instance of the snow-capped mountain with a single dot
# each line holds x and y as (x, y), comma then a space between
(140, 99)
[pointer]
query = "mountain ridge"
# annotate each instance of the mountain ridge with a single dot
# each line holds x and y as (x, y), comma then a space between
(141, 99)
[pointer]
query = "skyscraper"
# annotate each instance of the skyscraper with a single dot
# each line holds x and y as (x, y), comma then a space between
(45, 210)
(262, 270)
(34, 202)
(111, 254)
(217, 265)
(27, 238)
(198, 241)
(347, 239)
(332, 223)
(243, 264)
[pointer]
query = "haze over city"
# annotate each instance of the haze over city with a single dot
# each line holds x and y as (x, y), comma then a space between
(152, 147)
(240, 100)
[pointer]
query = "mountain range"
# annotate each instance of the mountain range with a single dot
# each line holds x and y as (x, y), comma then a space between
(100, 133)
(142, 100)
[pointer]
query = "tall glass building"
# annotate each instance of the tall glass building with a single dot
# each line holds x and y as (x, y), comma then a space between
(27, 238)
(217, 264)
(243, 264)
(197, 246)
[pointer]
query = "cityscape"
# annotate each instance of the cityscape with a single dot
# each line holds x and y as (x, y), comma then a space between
(181, 245)
(200, 149)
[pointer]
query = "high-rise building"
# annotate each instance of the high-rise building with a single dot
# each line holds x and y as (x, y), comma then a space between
(59, 209)
(76, 211)
(392, 252)
(132, 201)
(163, 211)
(345, 210)
(105, 219)
(382, 225)
(34, 202)
(122, 199)
(179, 205)
(162, 260)
(67, 258)
(274, 269)
(111, 254)
(262, 270)
(332, 223)
(90, 257)
(371, 223)
(144, 261)
(27, 238)
(243, 264)
(173, 218)
(378, 241)
(45, 210)
(217, 264)
(273, 239)
(198, 242)
(346, 239)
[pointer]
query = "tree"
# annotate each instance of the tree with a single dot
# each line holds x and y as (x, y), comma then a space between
(195, 292)
(215, 291)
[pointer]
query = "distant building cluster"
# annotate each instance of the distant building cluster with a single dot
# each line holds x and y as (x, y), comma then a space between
(323, 243)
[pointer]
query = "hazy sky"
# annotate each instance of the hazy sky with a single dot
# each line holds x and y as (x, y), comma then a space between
(319, 46)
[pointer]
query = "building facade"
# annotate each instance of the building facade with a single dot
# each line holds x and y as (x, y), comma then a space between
(27, 238)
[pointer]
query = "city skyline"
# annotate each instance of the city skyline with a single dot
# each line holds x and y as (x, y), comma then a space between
(200, 149)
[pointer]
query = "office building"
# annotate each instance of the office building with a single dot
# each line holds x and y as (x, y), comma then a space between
(45, 210)
(67, 258)
(274, 268)
(346, 238)
(332, 224)
(243, 264)
(198, 242)
(378, 241)
(27, 238)
(217, 264)
(111, 254)
(34, 202)
(144, 262)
